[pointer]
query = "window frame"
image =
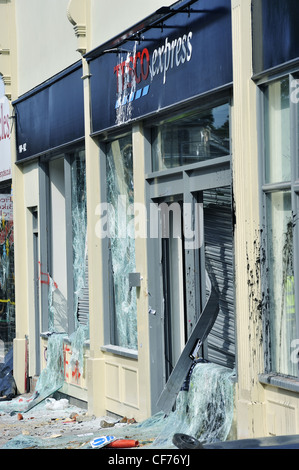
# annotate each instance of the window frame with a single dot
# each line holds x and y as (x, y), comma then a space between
(107, 282)
(270, 376)
(45, 241)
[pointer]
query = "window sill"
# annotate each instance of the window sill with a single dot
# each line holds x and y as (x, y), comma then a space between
(120, 351)
(66, 339)
(287, 383)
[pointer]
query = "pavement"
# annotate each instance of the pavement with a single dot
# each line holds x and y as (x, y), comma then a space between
(57, 424)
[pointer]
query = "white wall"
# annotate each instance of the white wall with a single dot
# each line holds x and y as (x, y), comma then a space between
(45, 40)
(109, 18)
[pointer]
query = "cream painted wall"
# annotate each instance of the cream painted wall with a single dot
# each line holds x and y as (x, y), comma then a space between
(250, 399)
(31, 191)
(113, 17)
(45, 40)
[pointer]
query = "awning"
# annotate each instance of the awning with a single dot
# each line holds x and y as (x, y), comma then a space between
(51, 115)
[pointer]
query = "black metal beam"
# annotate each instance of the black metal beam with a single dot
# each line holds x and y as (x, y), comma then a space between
(152, 21)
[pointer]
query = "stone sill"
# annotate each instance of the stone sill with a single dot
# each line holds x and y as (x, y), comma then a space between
(120, 351)
(287, 383)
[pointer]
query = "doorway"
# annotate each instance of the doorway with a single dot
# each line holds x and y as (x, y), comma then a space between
(191, 166)
(181, 267)
(173, 267)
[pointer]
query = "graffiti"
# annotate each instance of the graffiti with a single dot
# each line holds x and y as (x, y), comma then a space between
(71, 371)
(7, 276)
(66, 351)
(76, 373)
(45, 278)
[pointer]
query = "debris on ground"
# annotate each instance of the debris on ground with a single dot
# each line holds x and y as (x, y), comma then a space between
(7, 382)
(57, 424)
(204, 411)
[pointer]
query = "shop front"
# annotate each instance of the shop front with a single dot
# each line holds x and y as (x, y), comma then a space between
(161, 96)
(52, 247)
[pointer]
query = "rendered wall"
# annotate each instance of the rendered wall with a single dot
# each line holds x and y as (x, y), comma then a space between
(105, 24)
(45, 41)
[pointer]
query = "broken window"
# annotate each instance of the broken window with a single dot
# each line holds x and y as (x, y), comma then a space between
(120, 198)
(68, 182)
(79, 229)
(57, 294)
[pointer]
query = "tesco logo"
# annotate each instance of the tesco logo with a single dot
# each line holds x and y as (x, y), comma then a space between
(137, 67)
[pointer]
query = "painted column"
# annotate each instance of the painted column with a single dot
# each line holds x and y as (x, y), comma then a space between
(139, 170)
(250, 396)
(95, 364)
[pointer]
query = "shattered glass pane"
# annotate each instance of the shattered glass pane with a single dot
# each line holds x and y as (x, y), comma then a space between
(50, 380)
(79, 222)
(52, 376)
(80, 335)
(205, 411)
(120, 195)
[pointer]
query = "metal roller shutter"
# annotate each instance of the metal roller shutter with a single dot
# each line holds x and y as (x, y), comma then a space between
(218, 235)
(83, 301)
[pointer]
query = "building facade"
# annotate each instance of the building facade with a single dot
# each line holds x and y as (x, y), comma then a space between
(154, 161)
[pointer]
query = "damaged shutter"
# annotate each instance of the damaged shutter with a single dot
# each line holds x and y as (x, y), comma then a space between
(83, 300)
(219, 258)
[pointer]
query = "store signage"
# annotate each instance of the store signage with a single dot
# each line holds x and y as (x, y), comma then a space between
(137, 67)
(5, 152)
(141, 65)
(51, 115)
(189, 56)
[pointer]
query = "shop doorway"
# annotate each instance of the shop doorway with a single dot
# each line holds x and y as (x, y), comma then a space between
(187, 266)
(173, 267)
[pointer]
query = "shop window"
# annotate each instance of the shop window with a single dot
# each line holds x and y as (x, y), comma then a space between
(281, 238)
(191, 138)
(66, 219)
(277, 132)
(120, 197)
(7, 278)
(281, 279)
(79, 237)
(58, 267)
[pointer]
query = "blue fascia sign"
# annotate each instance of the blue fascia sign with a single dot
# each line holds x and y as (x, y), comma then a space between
(275, 34)
(51, 115)
(187, 55)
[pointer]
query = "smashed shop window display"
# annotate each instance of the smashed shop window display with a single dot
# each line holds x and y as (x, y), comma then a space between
(79, 227)
(49, 381)
(51, 378)
(203, 411)
(120, 191)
